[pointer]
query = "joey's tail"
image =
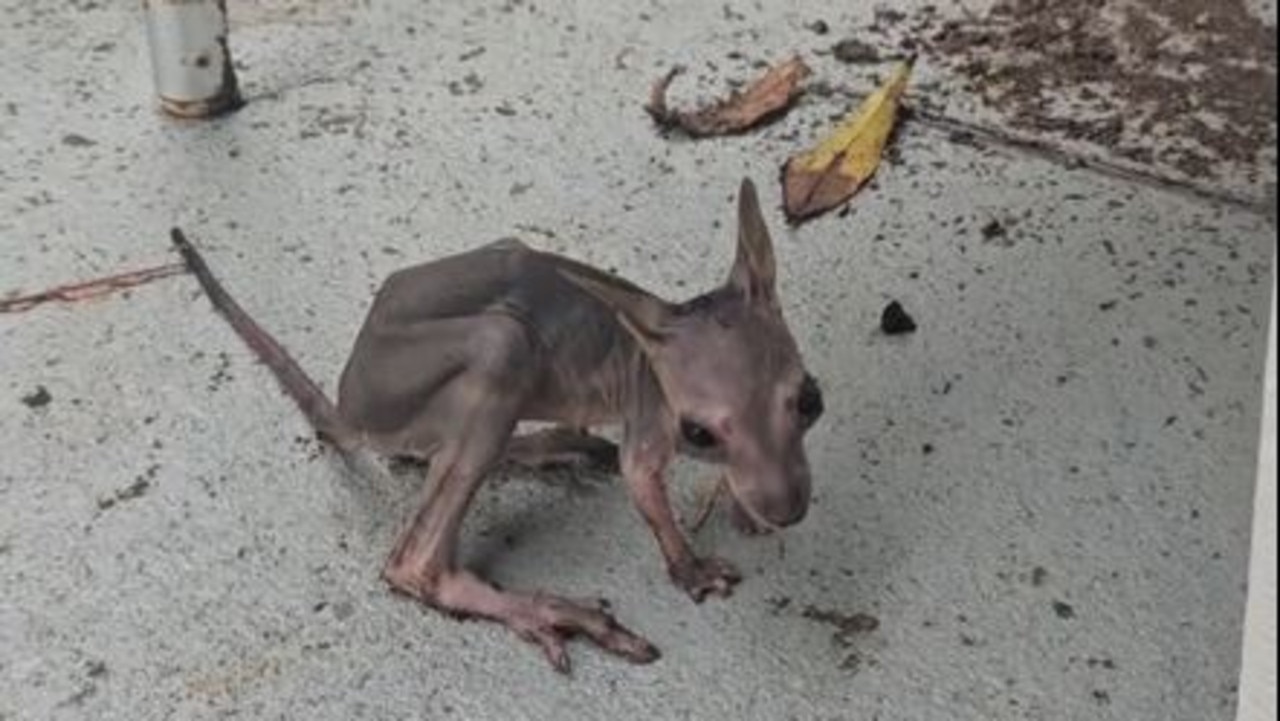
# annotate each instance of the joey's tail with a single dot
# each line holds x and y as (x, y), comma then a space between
(319, 410)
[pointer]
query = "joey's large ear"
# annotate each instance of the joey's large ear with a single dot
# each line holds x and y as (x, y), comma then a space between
(754, 270)
(644, 315)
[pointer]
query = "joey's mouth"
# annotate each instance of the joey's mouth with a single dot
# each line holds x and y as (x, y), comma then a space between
(745, 517)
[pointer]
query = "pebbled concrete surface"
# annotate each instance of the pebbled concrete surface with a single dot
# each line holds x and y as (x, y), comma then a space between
(1043, 497)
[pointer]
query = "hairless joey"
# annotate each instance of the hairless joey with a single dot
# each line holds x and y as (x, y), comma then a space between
(454, 354)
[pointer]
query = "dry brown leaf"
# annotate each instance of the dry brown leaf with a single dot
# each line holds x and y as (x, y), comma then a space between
(763, 100)
(830, 173)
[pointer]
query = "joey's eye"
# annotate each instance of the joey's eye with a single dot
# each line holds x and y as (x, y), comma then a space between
(696, 435)
(809, 401)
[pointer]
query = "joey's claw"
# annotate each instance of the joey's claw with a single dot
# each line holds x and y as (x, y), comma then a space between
(700, 577)
(552, 644)
(557, 654)
(590, 603)
(549, 622)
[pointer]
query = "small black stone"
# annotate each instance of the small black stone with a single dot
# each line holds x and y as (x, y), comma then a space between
(895, 321)
(76, 140)
(854, 51)
(38, 398)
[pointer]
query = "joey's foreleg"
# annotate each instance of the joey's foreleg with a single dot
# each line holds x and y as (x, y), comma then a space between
(698, 576)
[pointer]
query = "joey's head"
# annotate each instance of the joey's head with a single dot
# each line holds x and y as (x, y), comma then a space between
(732, 376)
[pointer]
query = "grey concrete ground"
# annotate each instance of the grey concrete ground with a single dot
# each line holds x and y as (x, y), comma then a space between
(1043, 496)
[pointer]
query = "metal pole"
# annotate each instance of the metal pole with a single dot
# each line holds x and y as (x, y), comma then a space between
(190, 58)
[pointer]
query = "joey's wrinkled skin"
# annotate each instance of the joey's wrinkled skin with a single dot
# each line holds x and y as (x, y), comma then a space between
(456, 352)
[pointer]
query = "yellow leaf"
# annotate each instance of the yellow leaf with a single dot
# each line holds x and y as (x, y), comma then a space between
(830, 173)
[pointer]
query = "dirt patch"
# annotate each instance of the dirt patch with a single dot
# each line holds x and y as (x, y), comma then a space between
(222, 374)
(778, 604)
(847, 626)
(1189, 85)
(139, 488)
(1039, 575)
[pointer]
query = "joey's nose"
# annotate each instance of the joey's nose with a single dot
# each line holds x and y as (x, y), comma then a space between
(791, 506)
(793, 513)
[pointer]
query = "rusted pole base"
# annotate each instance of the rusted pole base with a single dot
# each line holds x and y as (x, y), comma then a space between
(190, 57)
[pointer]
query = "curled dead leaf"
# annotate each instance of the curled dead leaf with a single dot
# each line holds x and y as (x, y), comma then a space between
(764, 99)
(831, 172)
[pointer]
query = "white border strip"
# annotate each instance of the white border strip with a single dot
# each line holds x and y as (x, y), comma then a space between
(1258, 660)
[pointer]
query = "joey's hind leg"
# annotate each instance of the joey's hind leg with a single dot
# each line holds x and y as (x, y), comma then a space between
(563, 446)
(423, 562)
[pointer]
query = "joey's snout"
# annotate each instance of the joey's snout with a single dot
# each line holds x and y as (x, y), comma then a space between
(766, 502)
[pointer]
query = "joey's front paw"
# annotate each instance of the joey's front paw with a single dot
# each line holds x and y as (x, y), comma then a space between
(702, 576)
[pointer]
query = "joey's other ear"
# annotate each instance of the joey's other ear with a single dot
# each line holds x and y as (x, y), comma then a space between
(754, 270)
